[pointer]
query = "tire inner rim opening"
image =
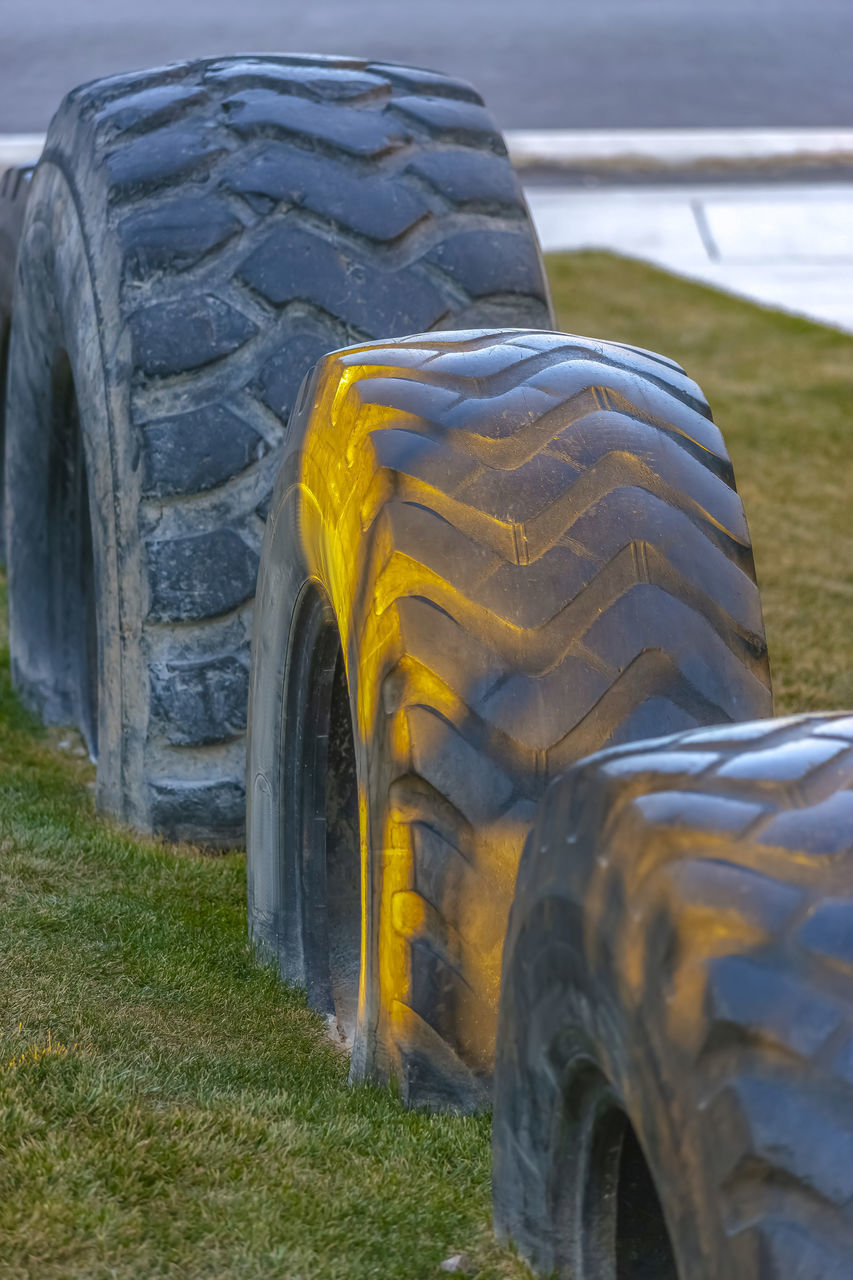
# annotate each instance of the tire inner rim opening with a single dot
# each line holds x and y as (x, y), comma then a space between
(622, 1214)
(343, 862)
(74, 630)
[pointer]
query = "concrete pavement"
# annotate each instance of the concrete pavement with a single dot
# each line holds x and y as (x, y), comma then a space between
(787, 246)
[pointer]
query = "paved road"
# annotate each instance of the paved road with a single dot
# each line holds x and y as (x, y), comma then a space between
(540, 63)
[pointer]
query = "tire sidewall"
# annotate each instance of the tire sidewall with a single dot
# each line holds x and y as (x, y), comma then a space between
(272, 880)
(282, 905)
(55, 310)
(556, 1017)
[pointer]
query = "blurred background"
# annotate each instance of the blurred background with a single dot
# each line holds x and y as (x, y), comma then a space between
(539, 63)
(713, 138)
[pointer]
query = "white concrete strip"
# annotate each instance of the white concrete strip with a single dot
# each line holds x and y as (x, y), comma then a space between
(19, 148)
(676, 148)
(785, 246)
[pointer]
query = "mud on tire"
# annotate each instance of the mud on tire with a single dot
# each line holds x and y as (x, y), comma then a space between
(673, 1093)
(197, 237)
(489, 555)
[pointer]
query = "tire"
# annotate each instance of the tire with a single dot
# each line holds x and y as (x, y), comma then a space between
(197, 237)
(674, 1092)
(14, 189)
(483, 562)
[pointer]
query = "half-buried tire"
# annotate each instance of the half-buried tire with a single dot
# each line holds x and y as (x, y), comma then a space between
(674, 1077)
(197, 236)
(488, 555)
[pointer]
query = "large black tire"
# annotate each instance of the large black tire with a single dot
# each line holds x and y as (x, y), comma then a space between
(674, 1078)
(197, 237)
(14, 190)
(525, 546)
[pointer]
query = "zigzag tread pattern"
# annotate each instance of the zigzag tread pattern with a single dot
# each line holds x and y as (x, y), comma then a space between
(265, 211)
(734, 848)
(587, 584)
(465, 537)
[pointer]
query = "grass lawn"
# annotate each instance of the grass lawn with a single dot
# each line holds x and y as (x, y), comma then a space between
(167, 1109)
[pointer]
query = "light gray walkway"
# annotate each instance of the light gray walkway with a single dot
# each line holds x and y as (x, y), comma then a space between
(785, 246)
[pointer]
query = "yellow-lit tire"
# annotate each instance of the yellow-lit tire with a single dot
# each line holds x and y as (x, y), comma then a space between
(488, 554)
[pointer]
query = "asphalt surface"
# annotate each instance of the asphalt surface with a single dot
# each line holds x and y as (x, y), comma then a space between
(539, 63)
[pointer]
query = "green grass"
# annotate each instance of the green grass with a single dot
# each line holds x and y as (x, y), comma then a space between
(167, 1109)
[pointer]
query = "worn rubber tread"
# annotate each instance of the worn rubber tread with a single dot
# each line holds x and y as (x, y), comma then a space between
(242, 218)
(696, 891)
(502, 612)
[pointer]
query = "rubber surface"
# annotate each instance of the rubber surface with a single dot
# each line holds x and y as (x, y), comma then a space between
(529, 546)
(233, 221)
(14, 189)
(679, 951)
